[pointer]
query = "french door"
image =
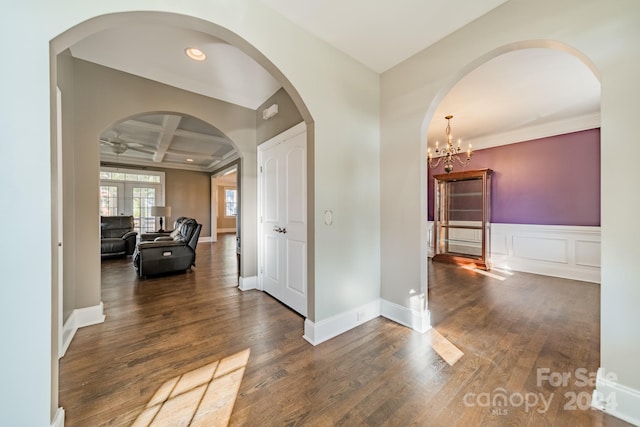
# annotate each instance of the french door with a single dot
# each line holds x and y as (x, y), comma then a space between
(128, 198)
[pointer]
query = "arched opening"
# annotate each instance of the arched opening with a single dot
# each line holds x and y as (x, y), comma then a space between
(91, 97)
(531, 111)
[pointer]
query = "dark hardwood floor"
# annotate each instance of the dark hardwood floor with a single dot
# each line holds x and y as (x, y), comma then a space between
(172, 344)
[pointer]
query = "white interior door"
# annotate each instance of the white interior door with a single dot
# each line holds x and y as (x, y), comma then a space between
(282, 172)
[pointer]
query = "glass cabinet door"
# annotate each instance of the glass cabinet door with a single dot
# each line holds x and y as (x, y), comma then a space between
(462, 217)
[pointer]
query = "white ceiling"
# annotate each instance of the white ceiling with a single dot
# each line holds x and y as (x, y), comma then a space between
(156, 52)
(506, 97)
(382, 33)
(522, 95)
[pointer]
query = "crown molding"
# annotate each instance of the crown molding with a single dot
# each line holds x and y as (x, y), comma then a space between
(112, 159)
(560, 127)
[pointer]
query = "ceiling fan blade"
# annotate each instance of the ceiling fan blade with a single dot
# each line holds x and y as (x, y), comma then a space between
(141, 150)
(132, 141)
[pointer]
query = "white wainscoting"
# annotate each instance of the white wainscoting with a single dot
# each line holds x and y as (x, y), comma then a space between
(571, 252)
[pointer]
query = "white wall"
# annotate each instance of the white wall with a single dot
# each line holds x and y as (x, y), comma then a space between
(340, 94)
(608, 34)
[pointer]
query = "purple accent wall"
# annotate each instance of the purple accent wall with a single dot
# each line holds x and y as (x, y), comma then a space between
(548, 181)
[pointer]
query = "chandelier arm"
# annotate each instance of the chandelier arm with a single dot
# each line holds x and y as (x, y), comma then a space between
(435, 164)
(462, 162)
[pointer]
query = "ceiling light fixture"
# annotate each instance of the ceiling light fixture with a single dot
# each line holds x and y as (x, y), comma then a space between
(195, 54)
(448, 154)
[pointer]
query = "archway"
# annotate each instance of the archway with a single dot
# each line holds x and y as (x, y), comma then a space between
(78, 154)
(541, 123)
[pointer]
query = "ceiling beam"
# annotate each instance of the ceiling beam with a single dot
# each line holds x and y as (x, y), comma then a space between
(194, 155)
(169, 125)
(202, 136)
(113, 160)
(179, 132)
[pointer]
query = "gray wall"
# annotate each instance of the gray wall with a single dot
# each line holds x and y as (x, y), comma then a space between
(288, 116)
(189, 194)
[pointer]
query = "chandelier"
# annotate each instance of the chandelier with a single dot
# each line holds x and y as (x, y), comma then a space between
(449, 154)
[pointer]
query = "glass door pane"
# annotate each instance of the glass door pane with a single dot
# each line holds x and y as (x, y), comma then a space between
(111, 199)
(143, 198)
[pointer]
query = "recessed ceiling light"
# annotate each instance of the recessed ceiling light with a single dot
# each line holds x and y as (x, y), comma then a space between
(195, 54)
(189, 160)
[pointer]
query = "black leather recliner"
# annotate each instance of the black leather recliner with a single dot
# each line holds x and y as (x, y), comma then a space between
(117, 236)
(175, 253)
(146, 237)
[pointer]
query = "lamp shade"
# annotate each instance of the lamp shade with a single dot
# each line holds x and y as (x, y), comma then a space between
(161, 211)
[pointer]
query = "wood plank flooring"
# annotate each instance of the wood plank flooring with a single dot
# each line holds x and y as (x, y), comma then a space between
(192, 348)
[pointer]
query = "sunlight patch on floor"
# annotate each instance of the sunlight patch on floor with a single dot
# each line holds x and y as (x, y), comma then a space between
(202, 397)
(503, 271)
(445, 349)
(472, 267)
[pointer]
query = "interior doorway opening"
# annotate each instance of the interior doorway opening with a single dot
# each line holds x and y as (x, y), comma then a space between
(584, 123)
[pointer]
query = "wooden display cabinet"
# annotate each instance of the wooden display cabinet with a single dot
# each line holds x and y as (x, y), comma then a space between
(462, 218)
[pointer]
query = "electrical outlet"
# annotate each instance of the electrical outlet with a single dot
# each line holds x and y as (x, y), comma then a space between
(360, 315)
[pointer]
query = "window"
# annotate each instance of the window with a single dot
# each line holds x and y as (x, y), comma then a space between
(129, 177)
(230, 205)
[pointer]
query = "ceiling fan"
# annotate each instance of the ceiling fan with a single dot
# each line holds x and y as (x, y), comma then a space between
(119, 145)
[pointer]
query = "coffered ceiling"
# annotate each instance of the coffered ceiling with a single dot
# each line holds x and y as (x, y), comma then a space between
(167, 140)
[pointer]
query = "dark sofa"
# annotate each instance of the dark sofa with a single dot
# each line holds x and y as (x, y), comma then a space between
(168, 254)
(117, 237)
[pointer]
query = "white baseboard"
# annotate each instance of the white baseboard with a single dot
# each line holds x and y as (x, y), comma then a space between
(324, 330)
(248, 283)
(205, 239)
(417, 320)
(80, 318)
(615, 399)
(58, 419)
